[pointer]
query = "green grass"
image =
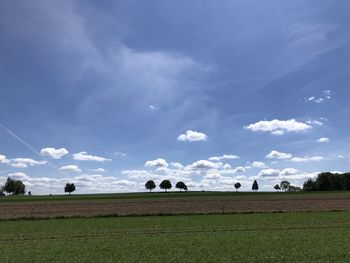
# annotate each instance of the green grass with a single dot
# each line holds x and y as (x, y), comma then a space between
(290, 237)
(120, 196)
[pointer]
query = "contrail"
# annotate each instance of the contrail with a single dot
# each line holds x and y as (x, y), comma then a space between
(28, 145)
(20, 140)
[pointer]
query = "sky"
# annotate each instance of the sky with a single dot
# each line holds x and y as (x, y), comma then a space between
(108, 95)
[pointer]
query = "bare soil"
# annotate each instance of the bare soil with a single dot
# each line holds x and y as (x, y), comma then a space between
(194, 205)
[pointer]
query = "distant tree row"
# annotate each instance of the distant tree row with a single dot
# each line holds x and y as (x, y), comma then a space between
(255, 186)
(13, 187)
(165, 185)
(287, 187)
(328, 182)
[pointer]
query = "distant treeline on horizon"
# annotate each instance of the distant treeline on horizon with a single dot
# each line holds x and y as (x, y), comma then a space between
(328, 182)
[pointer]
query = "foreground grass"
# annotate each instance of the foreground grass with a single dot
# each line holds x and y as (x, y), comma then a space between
(140, 195)
(290, 237)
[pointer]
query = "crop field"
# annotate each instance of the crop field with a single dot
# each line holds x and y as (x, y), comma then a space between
(169, 203)
(264, 237)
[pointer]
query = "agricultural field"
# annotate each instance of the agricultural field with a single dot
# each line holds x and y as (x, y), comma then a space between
(169, 203)
(264, 237)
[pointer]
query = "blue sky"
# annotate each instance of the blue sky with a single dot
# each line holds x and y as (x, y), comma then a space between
(108, 95)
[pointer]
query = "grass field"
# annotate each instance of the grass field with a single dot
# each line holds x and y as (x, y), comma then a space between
(286, 237)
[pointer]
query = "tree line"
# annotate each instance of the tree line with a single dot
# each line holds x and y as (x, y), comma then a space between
(324, 182)
(328, 182)
(165, 185)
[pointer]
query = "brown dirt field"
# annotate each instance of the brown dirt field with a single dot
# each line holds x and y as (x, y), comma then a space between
(195, 205)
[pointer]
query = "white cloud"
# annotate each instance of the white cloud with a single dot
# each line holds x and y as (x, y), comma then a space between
(192, 136)
(70, 168)
(279, 127)
(17, 174)
(203, 164)
(18, 165)
(289, 171)
(239, 170)
(279, 155)
(25, 162)
(306, 159)
(157, 163)
(278, 173)
(269, 173)
(227, 166)
(84, 156)
(323, 139)
(3, 159)
(54, 153)
(256, 164)
(120, 154)
(223, 157)
(97, 170)
(177, 165)
(278, 133)
(316, 122)
(326, 95)
(152, 107)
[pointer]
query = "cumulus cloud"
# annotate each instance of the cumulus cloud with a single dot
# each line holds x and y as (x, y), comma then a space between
(289, 157)
(17, 174)
(203, 164)
(192, 136)
(306, 159)
(177, 165)
(25, 162)
(3, 159)
(223, 157)
(279, 127)
(269, 172)
(54, 153)
(276, 172)
(84, 156)
(257, 164)
(323, 139)
(279, 155)
(289, 171)
(70, 168)
(157, 163)
(97, 170)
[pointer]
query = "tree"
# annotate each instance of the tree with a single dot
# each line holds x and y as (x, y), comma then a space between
(150, 185)
(14, 187)
(2, 191)
(69, 188)
(237, 185)
(277, 187)
(255, 186)
(166, 184)
(181, 185)
(285, 185)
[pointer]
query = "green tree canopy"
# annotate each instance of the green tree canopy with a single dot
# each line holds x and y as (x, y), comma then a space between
(285, 185)
(255, 186)
(69, 188)
(181, 186)
(277, 187)
(237, 185)
(166, 184)
(328, 182)
(150, 185)
(14, 187)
